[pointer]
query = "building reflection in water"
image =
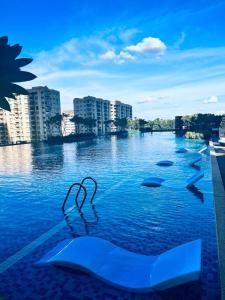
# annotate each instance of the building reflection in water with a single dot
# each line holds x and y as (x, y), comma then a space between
(81, 148)
(16, 159)
(114, 148)
(45, 157)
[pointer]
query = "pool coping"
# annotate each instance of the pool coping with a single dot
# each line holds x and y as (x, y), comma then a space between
(219, 203)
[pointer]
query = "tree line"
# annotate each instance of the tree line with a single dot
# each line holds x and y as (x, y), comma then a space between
(59, 121)
(122, 124)
(158, 123)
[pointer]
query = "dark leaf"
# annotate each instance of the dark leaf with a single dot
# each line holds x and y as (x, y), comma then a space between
(10, 72)
(21, 62)
(9, 94)
(4, 104)
(15, 50)
(14, 88)
(3, 40)
(22, 76)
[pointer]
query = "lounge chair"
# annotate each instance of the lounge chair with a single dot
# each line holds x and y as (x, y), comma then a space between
(222, 141)
(193, 179)
(195, 160)
(203, 150)
(127, 270)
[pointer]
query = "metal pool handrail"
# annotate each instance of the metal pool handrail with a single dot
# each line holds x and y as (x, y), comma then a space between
(95, 190)
(76, 198)
(67, 217)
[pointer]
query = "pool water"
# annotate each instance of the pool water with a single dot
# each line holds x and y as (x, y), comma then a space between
(34, 181)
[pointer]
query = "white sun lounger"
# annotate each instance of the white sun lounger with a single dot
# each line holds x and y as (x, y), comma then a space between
(127, 270)
(193, 179)
(203, 149)
(222, 141)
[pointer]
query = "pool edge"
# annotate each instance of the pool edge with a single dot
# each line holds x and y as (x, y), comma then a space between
(219, 203)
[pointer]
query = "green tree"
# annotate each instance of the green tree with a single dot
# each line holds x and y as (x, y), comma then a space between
(142, 123)
(54, 123)
(77, 121)
(90, 123)
(108, 124)
(121, 124)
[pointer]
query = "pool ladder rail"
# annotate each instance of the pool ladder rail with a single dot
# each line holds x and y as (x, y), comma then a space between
(81, 187)
(87, 224)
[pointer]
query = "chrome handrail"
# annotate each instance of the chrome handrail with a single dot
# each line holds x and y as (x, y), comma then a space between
(76, 198)
(95, 190)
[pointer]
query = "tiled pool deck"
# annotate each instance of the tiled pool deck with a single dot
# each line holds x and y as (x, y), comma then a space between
(218, 169)
(34, 283)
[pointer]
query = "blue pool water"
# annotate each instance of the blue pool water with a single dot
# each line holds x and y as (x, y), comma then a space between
(33, 184)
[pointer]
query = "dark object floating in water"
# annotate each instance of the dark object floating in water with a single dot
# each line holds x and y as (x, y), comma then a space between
(182, 150)
(128, 270)
(153, 182)
(165, 163)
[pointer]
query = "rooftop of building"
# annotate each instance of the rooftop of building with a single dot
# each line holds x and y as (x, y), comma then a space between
(92, 98)
(35, 88)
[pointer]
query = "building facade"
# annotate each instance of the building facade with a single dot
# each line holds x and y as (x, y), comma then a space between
(15, 125)
(103, 112)
(68, 127)
(44, 105)
(222, 128)
(32, 117)
(89, 109)
(119, 110)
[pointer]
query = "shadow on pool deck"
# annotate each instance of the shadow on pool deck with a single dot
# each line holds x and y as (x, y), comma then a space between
(218, 175)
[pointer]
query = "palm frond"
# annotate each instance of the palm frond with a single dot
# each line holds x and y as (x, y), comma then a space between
(10, 72)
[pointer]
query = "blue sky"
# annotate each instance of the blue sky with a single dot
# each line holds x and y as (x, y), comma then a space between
(163, 57)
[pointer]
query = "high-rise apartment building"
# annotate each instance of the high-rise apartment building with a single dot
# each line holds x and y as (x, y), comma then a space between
(92, 108)
(44, 104)
(103, 111)
(119, 110)
(31, 117)
(68, 127)
(15, 125)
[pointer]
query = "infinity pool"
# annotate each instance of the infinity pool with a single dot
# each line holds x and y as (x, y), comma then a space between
(33, 184)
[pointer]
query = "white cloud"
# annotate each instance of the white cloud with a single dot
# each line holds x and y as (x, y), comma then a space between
(128, 34)
(220, 112)
(83, 51)
(108, 55)
(180, 40)
(151, 99)
(117, 58)
(212, 99)
(123, 56)
(148, 44)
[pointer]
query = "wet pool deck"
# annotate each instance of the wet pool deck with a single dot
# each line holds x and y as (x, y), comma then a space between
(218, 170)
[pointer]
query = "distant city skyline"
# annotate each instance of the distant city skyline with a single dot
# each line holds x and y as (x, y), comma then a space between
(164, 59)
